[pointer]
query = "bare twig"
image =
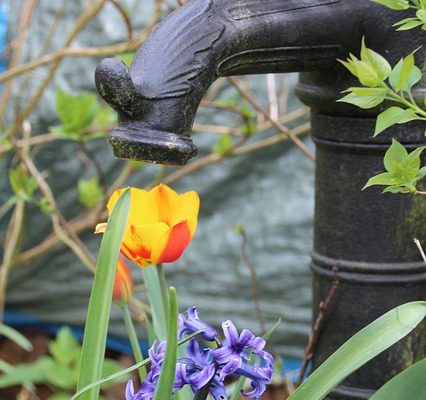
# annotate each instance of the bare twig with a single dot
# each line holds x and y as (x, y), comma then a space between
(276, 124)
(13, 234)
(421, 251)
(216, 158)
(24, 24)
(123, 47)
(10, 249)
(90, 12)
(272, 96)
(125, 16)
(253, 275)
(60, 226)
(324, 307)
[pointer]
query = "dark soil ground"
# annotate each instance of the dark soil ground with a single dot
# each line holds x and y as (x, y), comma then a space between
(13, 354)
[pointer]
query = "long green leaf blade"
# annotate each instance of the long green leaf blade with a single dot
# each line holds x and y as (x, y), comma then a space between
(361, 348)
(153, 288)
(95, 333)
(16, 337)
(167, 376)
(409, 384)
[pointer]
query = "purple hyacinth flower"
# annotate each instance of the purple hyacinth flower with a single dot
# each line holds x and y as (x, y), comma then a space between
(259, 376)
(236, 348)
(197, 369)
(147, 389)
(192, 323)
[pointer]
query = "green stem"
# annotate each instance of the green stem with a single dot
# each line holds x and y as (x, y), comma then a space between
(203, 392)
(403, 100)
(131, 333)
(164, 290)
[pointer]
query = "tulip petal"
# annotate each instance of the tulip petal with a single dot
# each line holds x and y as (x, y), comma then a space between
(141, 242)
(100, 228)
(143, 209)
(186, 208)
(174, 208)
(172, 247)
(166, 199)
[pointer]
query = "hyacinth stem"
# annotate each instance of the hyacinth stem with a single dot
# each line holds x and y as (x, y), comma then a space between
(133, 338)
(202, 393)
(164, 291)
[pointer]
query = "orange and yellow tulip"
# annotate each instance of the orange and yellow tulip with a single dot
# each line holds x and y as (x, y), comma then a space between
(160, 225)
(123, 283)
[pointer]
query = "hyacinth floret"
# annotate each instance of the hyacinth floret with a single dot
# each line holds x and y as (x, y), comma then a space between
(238, 354)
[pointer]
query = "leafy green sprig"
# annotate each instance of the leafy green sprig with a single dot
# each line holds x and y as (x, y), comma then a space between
(382, 82)
(403, 170)
(411, 22)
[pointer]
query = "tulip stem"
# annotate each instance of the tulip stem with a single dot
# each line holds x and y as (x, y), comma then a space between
(133, 338)
(164, 291)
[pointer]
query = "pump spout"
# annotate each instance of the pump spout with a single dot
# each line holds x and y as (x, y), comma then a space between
(157, 97)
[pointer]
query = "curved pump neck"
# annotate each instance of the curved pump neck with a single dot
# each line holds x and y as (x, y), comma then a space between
(158, 96)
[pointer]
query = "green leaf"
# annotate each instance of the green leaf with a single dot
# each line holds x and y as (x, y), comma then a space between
(385, 178)
(61, 376)
(89, 192)
(364, 102)
(394, 4)
(421, 174)
(411, 165)
(394, 157)
(76, 112)
(349, 65)
(405, 74)
(407, 24)
(22, 184)
(393, 115)
(408, 384)
(153, 288)
(421, 15)
(399, 189)
(16, 337)
(65, 349)
(361, 348)
(164, 387)
(367, 74)
(224, 147)
(127, 58)
(95, 332)
(60, 396)
(379, 64)
(27, 373)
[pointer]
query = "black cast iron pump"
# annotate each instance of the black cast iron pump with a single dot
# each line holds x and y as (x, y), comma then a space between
(365, 235)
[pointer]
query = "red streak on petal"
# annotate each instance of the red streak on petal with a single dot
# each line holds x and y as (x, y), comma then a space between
(137, 253)
(179, 239)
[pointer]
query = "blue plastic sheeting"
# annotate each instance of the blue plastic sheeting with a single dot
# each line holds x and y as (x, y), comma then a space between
(4, 9)
(20, 320)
